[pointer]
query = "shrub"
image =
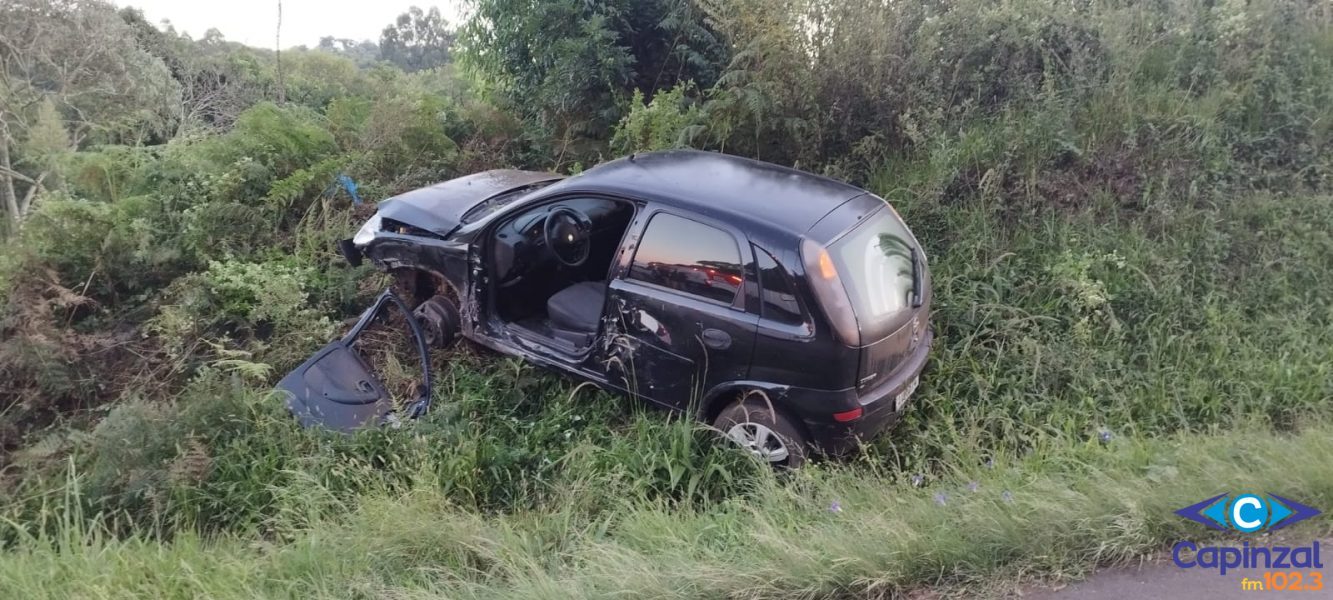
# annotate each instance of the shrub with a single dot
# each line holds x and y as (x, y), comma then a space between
(217, 230)
(1120, 98)
(260, 309)
(405, 138)
(107, 173)
(105, 251)
(670, 120)
(267, 144)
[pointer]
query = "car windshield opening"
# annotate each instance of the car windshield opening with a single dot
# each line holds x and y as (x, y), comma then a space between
(498, 201)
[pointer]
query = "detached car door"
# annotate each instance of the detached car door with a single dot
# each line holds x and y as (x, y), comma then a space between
(677, 319)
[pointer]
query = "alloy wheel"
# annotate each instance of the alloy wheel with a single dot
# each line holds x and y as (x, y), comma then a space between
(760, 441)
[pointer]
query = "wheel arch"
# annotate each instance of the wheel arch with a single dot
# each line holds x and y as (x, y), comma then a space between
(420, 283)
(723, 394)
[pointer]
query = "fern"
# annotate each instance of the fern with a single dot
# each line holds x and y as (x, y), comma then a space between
(252, 371)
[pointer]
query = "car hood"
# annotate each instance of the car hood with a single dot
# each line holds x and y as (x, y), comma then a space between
(440, 208)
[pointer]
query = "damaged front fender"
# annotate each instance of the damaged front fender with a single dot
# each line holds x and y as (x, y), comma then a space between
(335, 389)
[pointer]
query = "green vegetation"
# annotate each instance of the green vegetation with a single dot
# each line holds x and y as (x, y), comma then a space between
(1128, 209)
(832, 533)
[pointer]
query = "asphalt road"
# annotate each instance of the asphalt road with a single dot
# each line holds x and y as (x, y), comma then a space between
(1162, 580)
(1167, 582)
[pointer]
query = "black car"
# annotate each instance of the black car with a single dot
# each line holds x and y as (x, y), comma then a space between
(788, 310)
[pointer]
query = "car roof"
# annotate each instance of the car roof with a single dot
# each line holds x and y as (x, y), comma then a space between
(728, 188)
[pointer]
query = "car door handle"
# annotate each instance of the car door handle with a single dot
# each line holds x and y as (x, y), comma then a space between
(716, 339)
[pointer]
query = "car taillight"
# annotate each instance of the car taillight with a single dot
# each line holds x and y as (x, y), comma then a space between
(829, 291)
(850, 415)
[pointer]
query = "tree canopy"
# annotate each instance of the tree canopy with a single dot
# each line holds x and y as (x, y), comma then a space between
(70, 70)
(418, 39)
(569, 65)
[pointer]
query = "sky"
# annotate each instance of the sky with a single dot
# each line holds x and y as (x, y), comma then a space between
(254, 22)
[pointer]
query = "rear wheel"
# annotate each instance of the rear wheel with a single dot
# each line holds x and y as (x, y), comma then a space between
(763, 430)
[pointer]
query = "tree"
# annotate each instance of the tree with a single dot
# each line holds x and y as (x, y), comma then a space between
(315, 78)
(76, 59)
(417, 40)
(218, 79)
(569, 65)
(365, 53)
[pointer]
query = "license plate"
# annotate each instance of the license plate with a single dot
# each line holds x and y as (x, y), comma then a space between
(904, 395)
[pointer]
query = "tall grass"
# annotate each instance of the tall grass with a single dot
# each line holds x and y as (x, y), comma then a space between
(1052, 329)
(1212, 323)
(1049, 333)
(1126, 211)
(830, 531)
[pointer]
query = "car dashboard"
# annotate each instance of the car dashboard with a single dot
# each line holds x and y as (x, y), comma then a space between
(520, 244)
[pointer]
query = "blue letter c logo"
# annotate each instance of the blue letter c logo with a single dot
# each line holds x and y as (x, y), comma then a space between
(1248, 513)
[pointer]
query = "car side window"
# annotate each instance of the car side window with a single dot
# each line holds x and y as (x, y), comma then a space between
(687, 255)
(777, 290)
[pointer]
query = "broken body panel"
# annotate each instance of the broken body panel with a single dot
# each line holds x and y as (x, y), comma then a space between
(335, 388)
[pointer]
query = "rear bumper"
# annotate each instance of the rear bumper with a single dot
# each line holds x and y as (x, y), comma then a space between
(877, 405)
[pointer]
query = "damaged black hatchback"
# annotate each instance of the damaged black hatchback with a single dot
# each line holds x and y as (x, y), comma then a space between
(788, 310)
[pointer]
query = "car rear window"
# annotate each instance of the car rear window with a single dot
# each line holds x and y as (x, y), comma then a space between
(875, 263)
(689, 256)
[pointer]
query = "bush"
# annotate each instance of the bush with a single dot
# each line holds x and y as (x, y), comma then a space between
(277, 140)
(261, 310)
(405, 138)
(217, 230)
(107, 251)
(982, 56)
(1121, 98)
(108, 173)
(671, 120)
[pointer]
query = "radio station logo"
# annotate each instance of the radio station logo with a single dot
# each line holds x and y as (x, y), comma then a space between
(1287, 568)
(1247, 513)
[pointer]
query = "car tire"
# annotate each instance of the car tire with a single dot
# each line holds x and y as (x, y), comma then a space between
(764, 430)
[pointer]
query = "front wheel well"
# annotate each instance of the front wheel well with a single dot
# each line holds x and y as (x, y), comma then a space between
(420, 285)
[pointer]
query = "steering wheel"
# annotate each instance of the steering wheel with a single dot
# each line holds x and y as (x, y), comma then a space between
(568, 235)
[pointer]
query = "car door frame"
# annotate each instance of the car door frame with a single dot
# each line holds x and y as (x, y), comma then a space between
(742, 309)
(489, 331)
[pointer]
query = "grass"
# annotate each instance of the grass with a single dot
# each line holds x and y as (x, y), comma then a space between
(1054, 328)
(1132, 245)
(1051, 513)
(1199, 342)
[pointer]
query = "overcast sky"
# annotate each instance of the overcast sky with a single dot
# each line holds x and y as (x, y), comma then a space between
(254, 22)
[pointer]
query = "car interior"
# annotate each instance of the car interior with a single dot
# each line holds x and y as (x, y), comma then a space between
(551, 265)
